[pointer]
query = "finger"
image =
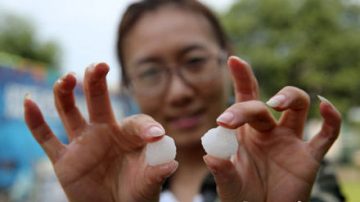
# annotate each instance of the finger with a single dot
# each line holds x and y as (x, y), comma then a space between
(97, 94)
(245, 83)
(41, 131)
(329, 131)
(70, 115)
(137, 130)
(252, 112)
(154, 177)
(227, 179)
(295, 104)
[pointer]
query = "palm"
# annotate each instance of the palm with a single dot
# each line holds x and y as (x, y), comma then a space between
(93, 165)
(104, 159)
(88, 159)
(275, 160)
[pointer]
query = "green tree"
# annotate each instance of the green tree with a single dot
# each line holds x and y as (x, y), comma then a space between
(18, 37)
(312, 44)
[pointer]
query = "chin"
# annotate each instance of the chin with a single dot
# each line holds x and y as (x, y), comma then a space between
(189, 139)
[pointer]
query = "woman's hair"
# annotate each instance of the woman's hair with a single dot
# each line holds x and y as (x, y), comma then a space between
(136, 10)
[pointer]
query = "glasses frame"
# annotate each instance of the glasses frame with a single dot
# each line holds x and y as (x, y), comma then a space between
(172, 70)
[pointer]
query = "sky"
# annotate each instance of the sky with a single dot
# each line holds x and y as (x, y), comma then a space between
(84, 29)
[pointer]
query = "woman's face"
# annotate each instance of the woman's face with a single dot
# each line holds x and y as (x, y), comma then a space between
(173, 39)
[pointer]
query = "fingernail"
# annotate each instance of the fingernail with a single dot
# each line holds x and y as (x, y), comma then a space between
(155, 131)
(91, 67)
(73, 74)
(27, 96)
(170, 168)
(330, 104)
(233, 57)
(62, 78)
(276, 101)
(173, 167)
(226, 117)
(211, 169)
(322, 99)
(59, 81)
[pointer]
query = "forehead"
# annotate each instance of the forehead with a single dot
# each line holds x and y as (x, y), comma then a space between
(167, 30)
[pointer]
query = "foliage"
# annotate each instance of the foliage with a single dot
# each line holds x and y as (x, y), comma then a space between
(312, 44)
(18, 37)
(351, 191)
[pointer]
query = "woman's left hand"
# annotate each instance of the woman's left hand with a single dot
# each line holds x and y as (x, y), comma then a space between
(273, 162)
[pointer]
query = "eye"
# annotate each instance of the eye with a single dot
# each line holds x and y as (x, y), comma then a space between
(196, 60)
(195, 63)
(149, 74)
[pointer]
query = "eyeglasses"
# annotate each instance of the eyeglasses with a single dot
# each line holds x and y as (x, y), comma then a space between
(153, 79)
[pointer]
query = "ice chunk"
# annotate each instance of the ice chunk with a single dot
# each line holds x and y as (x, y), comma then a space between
(161, 151)
(220, 142)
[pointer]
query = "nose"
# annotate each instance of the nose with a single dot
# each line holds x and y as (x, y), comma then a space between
(179, 92)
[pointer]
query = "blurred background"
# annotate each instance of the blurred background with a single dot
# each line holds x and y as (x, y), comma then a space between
(312, 44)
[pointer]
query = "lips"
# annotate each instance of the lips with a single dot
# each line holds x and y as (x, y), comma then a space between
(186, 121)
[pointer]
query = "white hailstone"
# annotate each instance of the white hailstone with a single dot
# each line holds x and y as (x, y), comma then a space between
(161, 151)
(220, 142)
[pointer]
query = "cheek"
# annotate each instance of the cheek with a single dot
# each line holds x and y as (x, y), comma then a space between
(216, 96)
(224, 84)
(227, 84)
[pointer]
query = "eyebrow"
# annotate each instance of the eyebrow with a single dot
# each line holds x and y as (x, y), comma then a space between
(191, 48)
(154, 59)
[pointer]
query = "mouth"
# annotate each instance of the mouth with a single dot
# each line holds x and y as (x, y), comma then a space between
(187, 121)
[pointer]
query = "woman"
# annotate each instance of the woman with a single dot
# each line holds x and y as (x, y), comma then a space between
(173, 56)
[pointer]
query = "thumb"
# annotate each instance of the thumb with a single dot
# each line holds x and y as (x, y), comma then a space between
(226, 178)
(155, 177)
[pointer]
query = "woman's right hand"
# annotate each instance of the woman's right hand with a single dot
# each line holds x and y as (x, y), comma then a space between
(104, 160)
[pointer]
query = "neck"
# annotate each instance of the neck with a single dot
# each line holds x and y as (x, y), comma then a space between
(186, 181)
(190, 157)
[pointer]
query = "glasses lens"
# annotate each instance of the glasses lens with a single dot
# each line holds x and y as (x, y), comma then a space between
(200, 70)
(196, 70)
(149, 80)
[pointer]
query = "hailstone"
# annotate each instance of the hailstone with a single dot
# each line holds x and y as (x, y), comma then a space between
(220, 142)
(161, 151)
